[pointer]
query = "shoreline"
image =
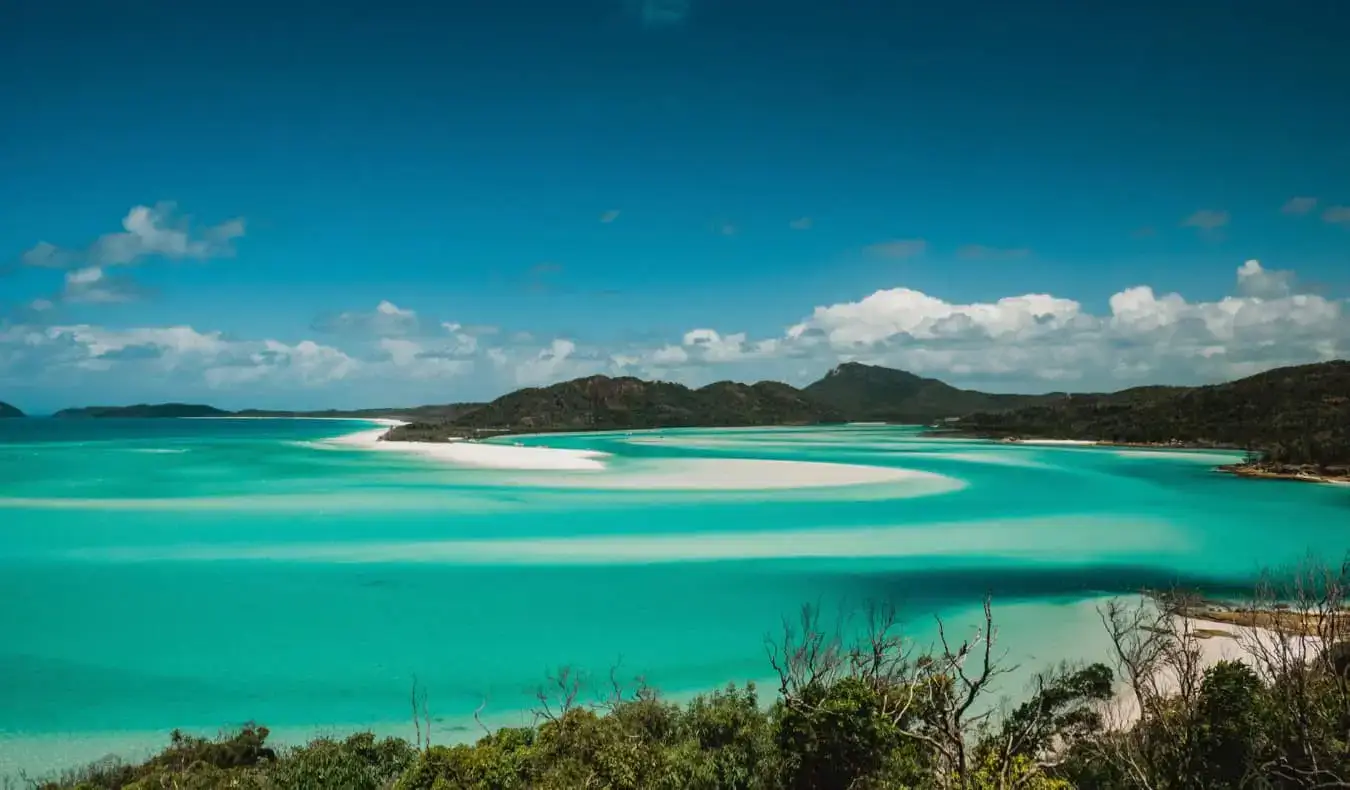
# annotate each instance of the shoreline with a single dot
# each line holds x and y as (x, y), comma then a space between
(1300, 476)
(720, 474)
(1250, 471)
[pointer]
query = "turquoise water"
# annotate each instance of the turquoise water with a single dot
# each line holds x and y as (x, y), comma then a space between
(201, 573)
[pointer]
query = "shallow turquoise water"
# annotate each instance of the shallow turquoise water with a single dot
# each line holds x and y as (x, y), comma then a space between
(200, 573)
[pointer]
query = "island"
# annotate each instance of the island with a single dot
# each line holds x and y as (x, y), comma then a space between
(7, 410)
(189, 410)
(143, 411)
(1292, 423)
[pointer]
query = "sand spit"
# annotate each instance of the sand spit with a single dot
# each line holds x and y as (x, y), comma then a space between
(479, 455)
(723, 474)
(730, 474)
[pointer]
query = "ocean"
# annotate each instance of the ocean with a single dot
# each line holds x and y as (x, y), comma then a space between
(198, 574)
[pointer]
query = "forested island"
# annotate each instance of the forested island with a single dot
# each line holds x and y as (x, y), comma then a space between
(188, 410)
(1293, 422)
(143, 411)
(7, 410)
(851, 392)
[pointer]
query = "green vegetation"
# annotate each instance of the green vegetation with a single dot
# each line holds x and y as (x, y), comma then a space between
(1292, 418)
(170, 410)
(145, 410)
(7, 410)
(601, 403)
(448, 411)
(872, 713)
(870, 393)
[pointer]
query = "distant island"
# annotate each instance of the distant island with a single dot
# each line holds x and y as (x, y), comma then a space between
(7, 410)
(1293, 422)
(182, 410)
(144, 410)
(851, 392)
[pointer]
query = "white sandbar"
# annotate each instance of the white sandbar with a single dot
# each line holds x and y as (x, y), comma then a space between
(731, 474)
(479, 455)
(1075, 442)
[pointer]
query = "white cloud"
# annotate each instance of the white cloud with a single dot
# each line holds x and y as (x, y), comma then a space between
(1206, 220)
(1337, 215)
(801, 223)
(146, 232)
(609, 216)
(1028, 342)
(386, 320)
(1299, 205)
(92, 285)
(1261, 283)
(1145, 337)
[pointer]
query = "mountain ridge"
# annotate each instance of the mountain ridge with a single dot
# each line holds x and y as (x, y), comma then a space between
(7, 411)
(1290, 417)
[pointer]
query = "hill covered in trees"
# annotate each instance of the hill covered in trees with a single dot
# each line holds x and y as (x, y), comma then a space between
(872, 393)
(170, 410)
(144, 410)
(7, 410)
(1292, 417)
(600, 403)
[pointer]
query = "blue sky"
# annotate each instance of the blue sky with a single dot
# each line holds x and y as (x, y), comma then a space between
(596, 186)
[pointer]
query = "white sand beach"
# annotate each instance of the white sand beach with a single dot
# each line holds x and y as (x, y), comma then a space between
(721, 474)
(479, 455)
(1066, 442)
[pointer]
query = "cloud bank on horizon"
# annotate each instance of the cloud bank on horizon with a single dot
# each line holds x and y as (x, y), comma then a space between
(390, 355)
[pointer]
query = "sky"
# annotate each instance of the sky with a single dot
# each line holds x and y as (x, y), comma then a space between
(309, 205)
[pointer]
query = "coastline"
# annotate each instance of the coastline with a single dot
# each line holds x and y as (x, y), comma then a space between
(1257, 471)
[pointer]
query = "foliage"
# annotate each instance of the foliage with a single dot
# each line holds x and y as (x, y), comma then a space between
(873, 393)
(7, 410)
(145, 410)
(602, 403)
(1293, 416)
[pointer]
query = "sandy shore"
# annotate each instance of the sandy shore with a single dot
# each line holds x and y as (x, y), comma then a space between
(694, 474)
(479, 455)
(1215, 642)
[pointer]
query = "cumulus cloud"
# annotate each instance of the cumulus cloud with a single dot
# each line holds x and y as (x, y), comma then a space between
(1299, 205)
(1027, 342)
(1145, 336)
(801, 223)
(1260, 283)
(93, 285)
(609, 216)
(386, 320)
(147, 231)
(898, 248)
